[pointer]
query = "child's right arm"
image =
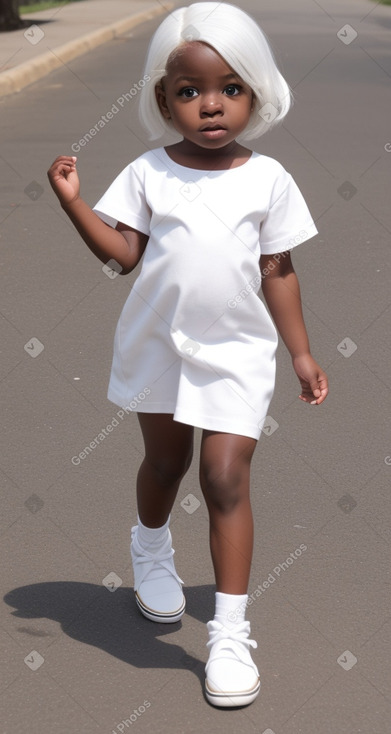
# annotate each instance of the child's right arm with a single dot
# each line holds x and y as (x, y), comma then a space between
(123, 244)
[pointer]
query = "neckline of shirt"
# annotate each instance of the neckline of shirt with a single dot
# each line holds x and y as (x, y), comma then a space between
(206, 170)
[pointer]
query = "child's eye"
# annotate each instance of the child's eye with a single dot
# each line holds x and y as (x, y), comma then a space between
(188, 92)
(232, 90)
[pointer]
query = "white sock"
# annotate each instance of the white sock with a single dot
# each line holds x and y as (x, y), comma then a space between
(230, 608)
(152, 538)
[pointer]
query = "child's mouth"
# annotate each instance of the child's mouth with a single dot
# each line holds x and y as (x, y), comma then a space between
(214, 131)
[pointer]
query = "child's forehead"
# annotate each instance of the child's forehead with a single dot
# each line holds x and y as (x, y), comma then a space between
(196, 57)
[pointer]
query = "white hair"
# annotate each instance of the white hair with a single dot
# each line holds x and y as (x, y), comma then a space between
(239, 41)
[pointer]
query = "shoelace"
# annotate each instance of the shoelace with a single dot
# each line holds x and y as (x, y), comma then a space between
(220, 635)
(153, 559)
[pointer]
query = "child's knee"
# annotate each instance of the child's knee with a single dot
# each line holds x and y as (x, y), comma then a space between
(223, 487)
(168, 470)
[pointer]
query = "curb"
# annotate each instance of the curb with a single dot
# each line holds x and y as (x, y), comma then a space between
(21, 76)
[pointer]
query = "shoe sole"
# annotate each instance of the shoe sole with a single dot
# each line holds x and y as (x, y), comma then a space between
(165, 617)
(230, 700)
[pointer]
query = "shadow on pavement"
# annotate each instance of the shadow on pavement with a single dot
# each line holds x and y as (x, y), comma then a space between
(93, 615)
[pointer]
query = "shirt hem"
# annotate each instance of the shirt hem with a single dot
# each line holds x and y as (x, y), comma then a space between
(306, 232)
(115, 216)
(215, 423)
(207, 422)
(137, 405)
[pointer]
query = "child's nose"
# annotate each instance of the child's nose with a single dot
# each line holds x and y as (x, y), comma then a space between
(211, 104)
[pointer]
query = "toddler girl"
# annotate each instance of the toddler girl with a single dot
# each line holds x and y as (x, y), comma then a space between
(212, 221)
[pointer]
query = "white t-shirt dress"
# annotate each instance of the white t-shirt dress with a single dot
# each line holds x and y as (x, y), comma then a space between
(194, 339)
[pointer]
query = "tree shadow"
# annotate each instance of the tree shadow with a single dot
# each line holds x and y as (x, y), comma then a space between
(95, 616)
(25, 23)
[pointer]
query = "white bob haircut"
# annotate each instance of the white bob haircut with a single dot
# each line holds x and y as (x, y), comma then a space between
(243, 46)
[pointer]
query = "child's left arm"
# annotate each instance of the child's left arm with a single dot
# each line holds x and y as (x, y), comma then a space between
(281, 290)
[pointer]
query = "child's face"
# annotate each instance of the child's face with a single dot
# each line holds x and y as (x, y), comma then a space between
(207, 102)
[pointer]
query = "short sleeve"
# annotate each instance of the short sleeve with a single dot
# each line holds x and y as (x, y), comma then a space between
(124, 201)
(288, 221)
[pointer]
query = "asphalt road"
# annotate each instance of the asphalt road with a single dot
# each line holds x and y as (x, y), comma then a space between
(79, 658)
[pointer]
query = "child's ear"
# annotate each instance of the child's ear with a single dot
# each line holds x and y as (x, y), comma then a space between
(161, 100)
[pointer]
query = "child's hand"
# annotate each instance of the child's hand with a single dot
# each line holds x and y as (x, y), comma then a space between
(313, 380)
(64, 180)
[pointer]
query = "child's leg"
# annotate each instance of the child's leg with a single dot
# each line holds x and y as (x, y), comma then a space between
(225, 483)
(168, 455)
(168, 452)
(232, 678)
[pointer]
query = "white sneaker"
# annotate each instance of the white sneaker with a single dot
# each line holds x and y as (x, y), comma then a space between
(232, 678)
(157, 585)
